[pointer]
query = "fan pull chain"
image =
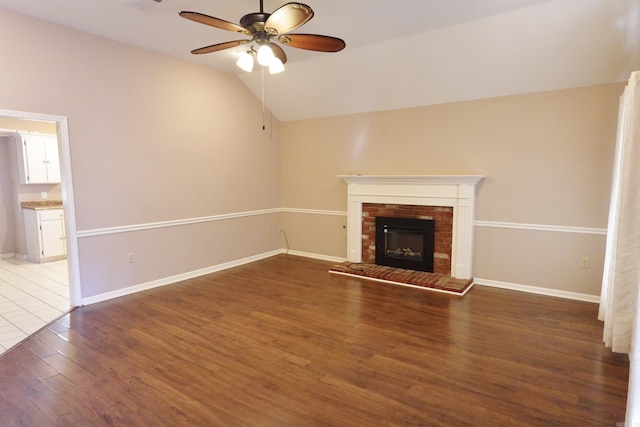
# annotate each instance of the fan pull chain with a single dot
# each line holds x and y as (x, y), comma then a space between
(262, 74)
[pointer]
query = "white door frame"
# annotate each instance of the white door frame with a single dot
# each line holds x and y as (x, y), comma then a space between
(68, 203)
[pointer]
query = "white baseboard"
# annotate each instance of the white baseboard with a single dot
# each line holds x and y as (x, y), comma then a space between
(177, 278)
(484, 282)
(314, 256)
(16, 256)
(201, 272)
(537, 290)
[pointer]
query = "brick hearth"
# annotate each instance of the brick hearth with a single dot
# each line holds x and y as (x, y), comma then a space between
(442, 215)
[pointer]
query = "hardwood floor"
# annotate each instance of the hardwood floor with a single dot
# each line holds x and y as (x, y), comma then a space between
(281, 342)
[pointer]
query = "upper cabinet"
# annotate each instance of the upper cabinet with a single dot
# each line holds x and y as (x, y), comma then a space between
(38, 159)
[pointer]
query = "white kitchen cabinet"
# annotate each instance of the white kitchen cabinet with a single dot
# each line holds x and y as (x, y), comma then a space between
(44, 230)
(38, 159)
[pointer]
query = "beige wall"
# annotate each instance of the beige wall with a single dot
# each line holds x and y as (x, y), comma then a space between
(11, 123)
(547, 158)
(152, 140)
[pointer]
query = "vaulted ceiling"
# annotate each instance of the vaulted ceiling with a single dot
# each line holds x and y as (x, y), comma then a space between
(399, 54)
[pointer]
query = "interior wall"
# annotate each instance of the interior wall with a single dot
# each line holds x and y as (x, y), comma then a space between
(154, 142)
(547, 158)
(7, 234)
(11, 124)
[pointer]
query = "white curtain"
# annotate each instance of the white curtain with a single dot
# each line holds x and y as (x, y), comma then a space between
(621, 278)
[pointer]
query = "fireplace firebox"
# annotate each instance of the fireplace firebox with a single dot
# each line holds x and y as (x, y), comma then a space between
(405, 243)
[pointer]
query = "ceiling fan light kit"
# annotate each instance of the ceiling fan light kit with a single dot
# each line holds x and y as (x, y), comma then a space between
(265, 55)
(276, 66)
(245, 61)
(264, 28)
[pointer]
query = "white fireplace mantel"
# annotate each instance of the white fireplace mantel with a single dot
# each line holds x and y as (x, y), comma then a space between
(456, 191)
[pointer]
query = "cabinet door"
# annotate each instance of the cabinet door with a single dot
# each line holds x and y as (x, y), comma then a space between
(39, 161)
(35, 159)
(52, 241)
(52, 159)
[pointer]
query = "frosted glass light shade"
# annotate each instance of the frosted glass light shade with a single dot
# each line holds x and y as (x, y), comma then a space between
(245, 62)
(265, 55)
(276, 66)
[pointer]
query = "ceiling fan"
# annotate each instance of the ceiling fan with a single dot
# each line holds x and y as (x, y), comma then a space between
(263, 29)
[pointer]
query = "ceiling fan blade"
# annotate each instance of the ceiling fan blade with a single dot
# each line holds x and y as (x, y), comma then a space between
(278, 52)
(219, 46)
(214, 22)
(287, 18)
(313, 42)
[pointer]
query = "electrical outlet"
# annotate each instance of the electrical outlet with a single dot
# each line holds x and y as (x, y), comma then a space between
(584, 262)
(130, 257)
(268, 231)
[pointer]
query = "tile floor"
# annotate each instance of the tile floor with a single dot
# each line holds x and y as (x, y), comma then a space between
(31, 296)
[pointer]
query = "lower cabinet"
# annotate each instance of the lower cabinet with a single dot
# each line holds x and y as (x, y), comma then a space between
(44, 229)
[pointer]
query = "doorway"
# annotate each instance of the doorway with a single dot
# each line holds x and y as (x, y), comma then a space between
(60, 271)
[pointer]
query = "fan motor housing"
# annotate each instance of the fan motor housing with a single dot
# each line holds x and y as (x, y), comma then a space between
(254, 21)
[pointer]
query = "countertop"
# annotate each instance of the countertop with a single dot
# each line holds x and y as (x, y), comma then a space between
(42, 204)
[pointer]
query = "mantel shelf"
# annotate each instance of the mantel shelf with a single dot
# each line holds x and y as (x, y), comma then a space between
(413, 179)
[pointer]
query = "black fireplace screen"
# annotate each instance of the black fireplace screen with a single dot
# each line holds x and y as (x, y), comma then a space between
(405, 243)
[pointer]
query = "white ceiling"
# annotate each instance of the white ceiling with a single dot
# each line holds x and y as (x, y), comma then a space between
(383, 38)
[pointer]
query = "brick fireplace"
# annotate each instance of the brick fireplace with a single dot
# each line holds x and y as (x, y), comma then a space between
(442, 216)
(451, 196)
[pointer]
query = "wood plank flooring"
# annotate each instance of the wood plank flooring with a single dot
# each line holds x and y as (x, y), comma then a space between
(281, 342)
